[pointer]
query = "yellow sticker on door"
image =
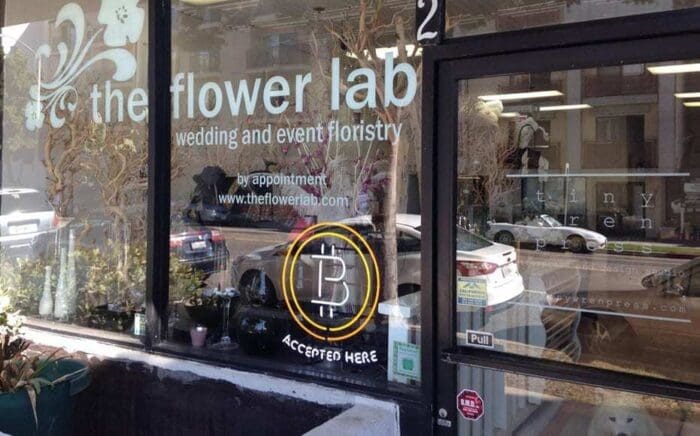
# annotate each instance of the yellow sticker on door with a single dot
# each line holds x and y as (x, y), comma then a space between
(471, 292)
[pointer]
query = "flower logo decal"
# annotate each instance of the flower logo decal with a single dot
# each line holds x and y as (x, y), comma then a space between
(34, 115)
(123, 22)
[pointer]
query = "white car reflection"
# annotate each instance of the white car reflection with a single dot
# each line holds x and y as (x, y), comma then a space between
(544, 230)
(27, 222)
(490, 265)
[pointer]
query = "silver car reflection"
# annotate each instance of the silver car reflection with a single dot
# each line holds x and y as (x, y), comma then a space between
(258, 274)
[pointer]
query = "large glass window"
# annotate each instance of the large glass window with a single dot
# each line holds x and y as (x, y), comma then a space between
(295, 203)
(494, 402)
(469, 17)
(586, 187)
(74, 153)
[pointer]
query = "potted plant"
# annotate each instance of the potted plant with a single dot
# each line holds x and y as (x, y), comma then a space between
(36, 391)
(204, 310)
(187, 289)
(110, 290)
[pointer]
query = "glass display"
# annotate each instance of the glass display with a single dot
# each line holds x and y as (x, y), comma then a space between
(493, 402)
(585, 183)
(74, 154)
(296, 175)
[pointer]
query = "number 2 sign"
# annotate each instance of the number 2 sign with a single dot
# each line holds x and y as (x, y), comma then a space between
(428, 13)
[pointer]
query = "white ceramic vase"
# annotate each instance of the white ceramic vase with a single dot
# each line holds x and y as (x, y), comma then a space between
(46, 302)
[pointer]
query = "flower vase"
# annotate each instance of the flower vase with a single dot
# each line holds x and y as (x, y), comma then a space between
(72, 289)
(198, 334)
(60, 311)
(46, 302)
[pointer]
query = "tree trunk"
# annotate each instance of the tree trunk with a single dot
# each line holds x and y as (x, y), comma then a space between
(391, 270)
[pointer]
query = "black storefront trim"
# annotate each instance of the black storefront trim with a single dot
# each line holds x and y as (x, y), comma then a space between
(238, 362)
(159, 145)
(572, 373)
(270, 367)
(429, 226)
(255, 364)
(634, 27)
(671, 35)
(404, 398)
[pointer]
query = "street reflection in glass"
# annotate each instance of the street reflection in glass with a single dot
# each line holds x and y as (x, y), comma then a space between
(592, 178)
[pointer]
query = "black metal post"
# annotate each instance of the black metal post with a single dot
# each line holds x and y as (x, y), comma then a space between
(159, 125)
(444, 242)
(428, 231)
(3, 8)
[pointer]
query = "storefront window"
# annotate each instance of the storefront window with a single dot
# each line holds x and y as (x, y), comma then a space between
(493, 402)
(583, 189)
(295, 201)
(468, 17)
(74, 153)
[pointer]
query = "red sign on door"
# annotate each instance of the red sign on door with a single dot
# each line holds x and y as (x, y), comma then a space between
(470, 405)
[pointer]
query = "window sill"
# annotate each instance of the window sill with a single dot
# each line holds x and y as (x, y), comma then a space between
(85, 332)
(103, 343)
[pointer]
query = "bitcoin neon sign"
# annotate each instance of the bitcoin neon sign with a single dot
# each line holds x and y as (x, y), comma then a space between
(325, 316)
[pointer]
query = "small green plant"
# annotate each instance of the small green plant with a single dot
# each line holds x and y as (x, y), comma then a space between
(21, 282)
(10, 345)
(185, 282)
(99, 283)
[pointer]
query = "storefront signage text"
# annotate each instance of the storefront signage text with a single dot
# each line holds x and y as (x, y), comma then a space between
(212, 99)
(330, 354)
(358, 89)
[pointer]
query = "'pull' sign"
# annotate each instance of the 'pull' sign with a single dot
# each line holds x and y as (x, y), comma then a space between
(428, 15)
(479, 339)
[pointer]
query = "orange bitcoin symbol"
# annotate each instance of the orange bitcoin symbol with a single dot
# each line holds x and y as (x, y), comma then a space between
(324, 327)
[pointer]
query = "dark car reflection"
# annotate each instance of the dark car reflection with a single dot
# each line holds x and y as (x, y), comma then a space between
(221, 200)
(661, 314)
(202, 248)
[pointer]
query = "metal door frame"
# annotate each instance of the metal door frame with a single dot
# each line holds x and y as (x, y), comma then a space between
(639, 39)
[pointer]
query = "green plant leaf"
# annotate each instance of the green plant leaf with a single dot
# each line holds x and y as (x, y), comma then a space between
(32, 399)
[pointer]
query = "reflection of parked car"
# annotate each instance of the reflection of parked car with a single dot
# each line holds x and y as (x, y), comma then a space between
(220, 200)
(200, 247)
(27, 222)
(546, 230)
(559, 326)
(662, 313)
(258, 273)
(214, 214)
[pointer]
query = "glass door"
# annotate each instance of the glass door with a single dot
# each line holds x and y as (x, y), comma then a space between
(574, 241)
